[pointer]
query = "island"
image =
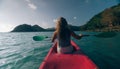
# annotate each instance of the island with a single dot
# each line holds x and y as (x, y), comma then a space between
(27, 28)
(37, 28)
(107, 20)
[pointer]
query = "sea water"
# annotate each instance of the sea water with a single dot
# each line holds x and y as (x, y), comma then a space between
(20, 51)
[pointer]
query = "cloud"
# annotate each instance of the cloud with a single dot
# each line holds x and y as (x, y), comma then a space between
(31, 5)
(74, 17)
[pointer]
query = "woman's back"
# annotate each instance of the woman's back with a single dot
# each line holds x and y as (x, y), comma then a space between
(64, 38)
(63, 35)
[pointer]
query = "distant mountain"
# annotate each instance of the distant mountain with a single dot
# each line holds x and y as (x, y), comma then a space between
(50, 29)
(109, 19)
(74, 28)
(37, 28)
(27, 28)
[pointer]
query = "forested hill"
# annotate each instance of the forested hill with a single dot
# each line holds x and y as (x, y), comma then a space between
(109, 19)
(27, 28)
(37, 28)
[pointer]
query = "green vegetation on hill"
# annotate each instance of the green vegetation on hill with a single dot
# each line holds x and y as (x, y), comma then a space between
(27, 28)
(105, 20)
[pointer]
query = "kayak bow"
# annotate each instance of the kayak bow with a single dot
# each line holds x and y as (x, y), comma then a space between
(77, 60)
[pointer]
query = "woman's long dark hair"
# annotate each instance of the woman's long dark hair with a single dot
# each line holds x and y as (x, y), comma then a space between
(62, 28)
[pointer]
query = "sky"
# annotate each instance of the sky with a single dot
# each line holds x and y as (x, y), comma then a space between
(45, 12)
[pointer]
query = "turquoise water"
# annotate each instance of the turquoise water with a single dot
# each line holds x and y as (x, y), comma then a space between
(20, 51)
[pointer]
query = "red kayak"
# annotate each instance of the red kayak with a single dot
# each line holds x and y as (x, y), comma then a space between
(77, 60)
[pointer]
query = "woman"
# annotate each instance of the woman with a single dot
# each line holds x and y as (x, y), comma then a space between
(63, 35)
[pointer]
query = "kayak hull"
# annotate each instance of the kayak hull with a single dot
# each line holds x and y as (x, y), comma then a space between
(77, 60)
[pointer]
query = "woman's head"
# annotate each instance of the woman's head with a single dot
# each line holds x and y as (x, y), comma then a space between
(61, 23)
(62, 28)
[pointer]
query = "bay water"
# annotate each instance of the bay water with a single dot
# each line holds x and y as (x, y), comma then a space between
(20, 51)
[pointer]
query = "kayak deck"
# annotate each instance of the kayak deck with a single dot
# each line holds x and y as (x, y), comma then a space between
(76, 60)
